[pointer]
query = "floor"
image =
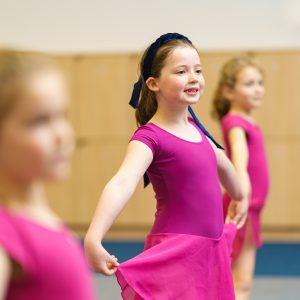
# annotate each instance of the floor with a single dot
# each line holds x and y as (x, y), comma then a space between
(265, 288)
(277, 275)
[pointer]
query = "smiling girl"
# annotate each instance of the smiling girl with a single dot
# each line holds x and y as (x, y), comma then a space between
(239, 92)
(39, 258)
(187, 250)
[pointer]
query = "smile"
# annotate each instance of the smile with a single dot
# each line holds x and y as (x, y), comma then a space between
(192, 91)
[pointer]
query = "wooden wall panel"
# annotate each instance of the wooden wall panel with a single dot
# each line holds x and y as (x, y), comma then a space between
(95, 166)
(102, 92)
(61, 195)
(280, 112)
(101, 86)
(278, 118)
(67, 65)
(283, 206)
(141, 208)
(281, 106)
(212, 64)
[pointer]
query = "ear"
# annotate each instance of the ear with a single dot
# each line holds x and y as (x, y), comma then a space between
(228, 92)
(152, 85)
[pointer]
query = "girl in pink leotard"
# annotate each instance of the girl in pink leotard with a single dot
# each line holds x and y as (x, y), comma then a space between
(39, 258)
(239, 91)
(187, 252)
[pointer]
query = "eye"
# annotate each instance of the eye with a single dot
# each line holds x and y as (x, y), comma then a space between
(181, 72)
(63, 114)
(199, 71)
(39, 120)
(249, 83)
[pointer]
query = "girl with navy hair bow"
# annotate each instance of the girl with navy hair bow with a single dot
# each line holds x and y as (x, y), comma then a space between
(187, 252)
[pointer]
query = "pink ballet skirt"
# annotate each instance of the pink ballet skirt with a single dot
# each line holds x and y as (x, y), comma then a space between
(180, 266)
(253, 218)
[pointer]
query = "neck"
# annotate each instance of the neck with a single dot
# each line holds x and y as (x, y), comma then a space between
(21, 196)
(241, 111)
(246, 114)
(171, 115)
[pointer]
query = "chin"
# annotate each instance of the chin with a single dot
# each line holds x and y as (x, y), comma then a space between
(256, 105)
(59, 174)
(191, 102)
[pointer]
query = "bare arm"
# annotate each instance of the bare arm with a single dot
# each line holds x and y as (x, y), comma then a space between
(238, 208)
(6, 269)
(228, 175)
(114, 197)
(239, 156)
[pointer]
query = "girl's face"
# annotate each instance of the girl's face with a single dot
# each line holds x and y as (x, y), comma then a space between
(36, 139)
(248, 90)
(181, 81)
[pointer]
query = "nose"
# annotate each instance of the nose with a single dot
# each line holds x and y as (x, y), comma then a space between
(60, 131)
(193, 77)
(63, 137)
(260, 89)
(58, 135)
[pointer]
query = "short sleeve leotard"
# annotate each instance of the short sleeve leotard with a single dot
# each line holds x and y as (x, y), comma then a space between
(187, 234)
(52, 261)
(258, 174)
(185, 180)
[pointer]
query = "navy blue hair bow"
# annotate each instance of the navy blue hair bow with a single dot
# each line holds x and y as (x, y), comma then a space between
(147, 66)
(146, 73)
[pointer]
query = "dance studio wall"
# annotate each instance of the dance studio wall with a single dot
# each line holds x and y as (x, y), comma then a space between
(100, 87)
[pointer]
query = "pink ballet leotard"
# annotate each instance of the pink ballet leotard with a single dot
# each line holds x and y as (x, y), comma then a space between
(52, 261)
(187, 253)
(258, 174)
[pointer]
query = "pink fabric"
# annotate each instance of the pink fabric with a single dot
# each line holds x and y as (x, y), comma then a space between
(258, 173)
(184, 177)
(257, 165)
(180, 266)
(254, 219)
(52, 261)
(187, 253)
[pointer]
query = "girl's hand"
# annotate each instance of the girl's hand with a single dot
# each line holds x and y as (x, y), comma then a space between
(100, 259)
(237, 212)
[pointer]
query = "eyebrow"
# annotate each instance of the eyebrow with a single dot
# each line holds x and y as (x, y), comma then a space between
(197, 65)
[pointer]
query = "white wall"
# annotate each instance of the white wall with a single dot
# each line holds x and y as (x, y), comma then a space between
(129, 25)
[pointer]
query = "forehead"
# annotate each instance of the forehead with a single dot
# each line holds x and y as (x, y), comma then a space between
(44, 79)
(249, 72)
(183, 56)
(41, 90)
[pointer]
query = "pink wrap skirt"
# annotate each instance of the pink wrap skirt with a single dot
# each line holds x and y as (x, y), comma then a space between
(180, 266)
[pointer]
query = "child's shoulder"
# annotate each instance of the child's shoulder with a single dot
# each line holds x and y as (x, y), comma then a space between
(149, 130)
(10, 239)
(231, 120)
(233, 117)
(148, 127)
(149, 135)
(6, 221)
(8, 225)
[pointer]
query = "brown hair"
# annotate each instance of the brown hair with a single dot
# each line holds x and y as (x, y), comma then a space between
(228, 77)
(147, 105)
(15, 67)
